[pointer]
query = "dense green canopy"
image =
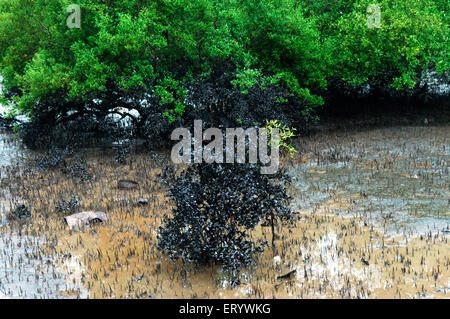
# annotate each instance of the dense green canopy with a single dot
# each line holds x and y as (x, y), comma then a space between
(161, 45)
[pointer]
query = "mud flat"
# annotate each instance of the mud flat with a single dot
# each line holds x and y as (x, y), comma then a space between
(372, 207)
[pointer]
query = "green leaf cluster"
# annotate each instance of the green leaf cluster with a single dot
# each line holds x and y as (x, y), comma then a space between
(161, 45)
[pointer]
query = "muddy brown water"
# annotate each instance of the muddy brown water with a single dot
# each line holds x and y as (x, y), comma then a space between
(396, 177)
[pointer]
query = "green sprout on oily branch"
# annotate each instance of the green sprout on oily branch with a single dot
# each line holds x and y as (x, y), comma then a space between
(285, 134)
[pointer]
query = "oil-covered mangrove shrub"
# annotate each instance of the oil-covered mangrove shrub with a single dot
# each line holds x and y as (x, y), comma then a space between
(113, 114)
(109, 115)
(66, 161)
(61, 121)
(217, 205)
(6, 122)
(224, 99)
(21, 212)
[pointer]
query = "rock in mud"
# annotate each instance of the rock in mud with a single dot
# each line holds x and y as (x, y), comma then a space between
(85, 218)
(288, 275)
(127, 184)
(142, 201)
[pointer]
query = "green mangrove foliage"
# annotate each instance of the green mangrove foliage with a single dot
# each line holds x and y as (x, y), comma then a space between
(162, 46)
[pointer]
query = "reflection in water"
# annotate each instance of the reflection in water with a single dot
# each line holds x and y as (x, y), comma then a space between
(399, 175)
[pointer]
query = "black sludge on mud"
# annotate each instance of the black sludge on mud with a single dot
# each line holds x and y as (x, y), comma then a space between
(20, 213)
(66, 161)
(68, 206)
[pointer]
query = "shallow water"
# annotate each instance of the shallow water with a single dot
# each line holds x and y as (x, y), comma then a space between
(25, 271)
(395, 176)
